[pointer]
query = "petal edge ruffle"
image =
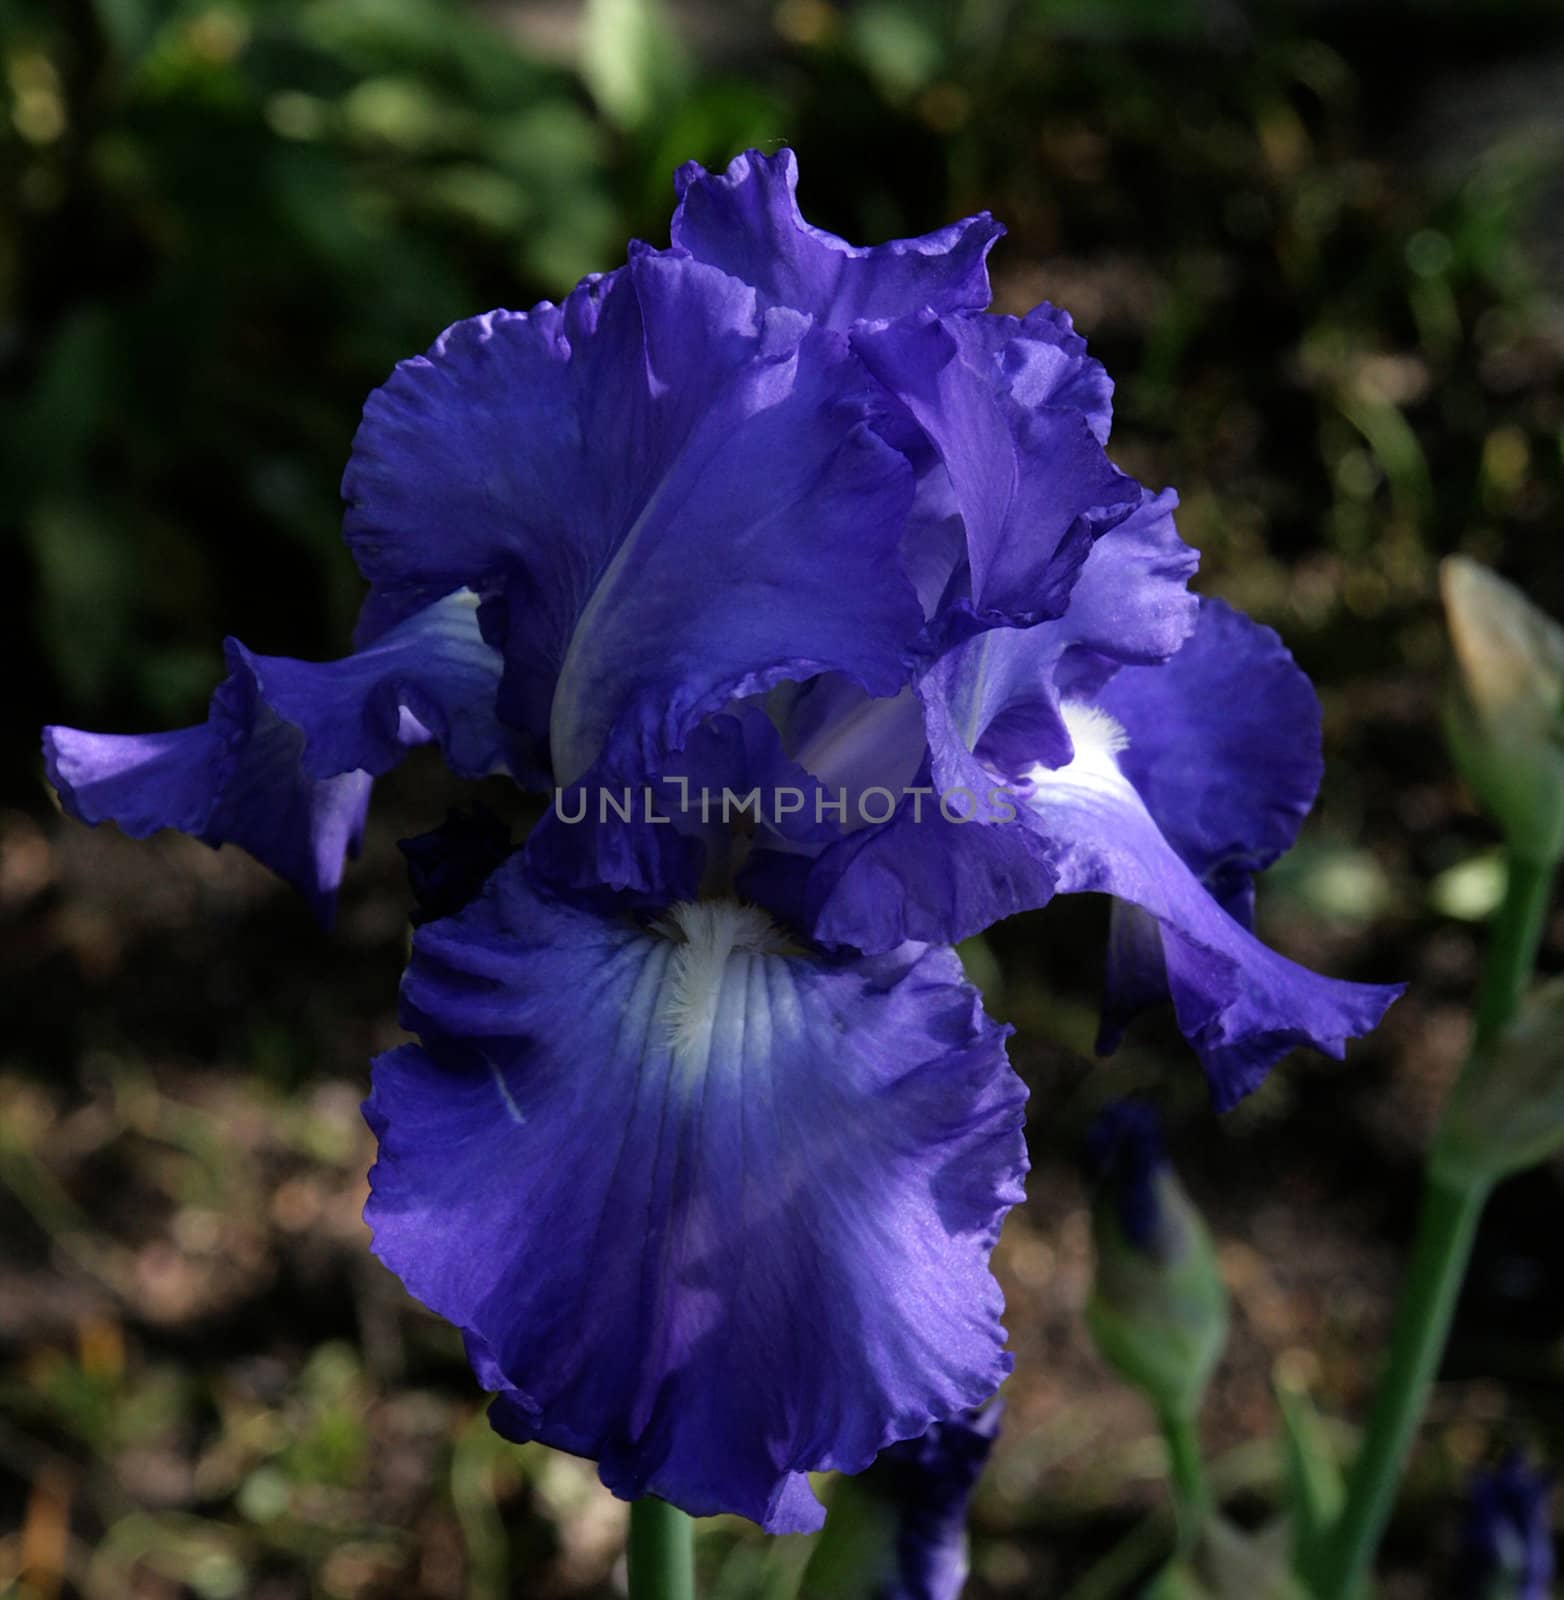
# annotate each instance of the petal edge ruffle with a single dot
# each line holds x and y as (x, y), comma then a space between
(717, 1247)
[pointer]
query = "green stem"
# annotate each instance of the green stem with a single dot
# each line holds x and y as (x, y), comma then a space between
(1452, 1204)
(1445, 1231)
(1513, 939)
(1186, 1470)
(661, 1552)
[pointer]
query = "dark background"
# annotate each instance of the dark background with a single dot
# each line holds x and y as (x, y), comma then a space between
(1320, 249)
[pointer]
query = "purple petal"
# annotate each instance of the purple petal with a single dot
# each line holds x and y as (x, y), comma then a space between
(1030, 481)
(669, 497)
(434, 667)
(991, 711)
(729, 791)
(1239, 1004)
(1224, 749)
(746, 221)
(1129, 603)
(283, 765)
(923, 875)
(1046, 364)
(952, 860)
(238, 779)
(1224, 743)
(721, 1220)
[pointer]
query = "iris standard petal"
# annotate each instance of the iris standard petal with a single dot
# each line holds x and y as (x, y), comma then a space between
(1129, 604)
(669, 497)
(1030, 480)
(747, 222)
(1240, 1004)
(283, 765)
(723, 1220)
(729, 793)
(990, 710)
(1046, 364)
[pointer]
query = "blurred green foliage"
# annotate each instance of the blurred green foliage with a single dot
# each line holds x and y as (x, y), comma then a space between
(220, 226)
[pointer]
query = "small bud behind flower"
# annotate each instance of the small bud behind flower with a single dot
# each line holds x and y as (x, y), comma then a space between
(1158, 1310)
(1506, 1113)
(898, 1530)
(1505, 714)
(1506, 1545)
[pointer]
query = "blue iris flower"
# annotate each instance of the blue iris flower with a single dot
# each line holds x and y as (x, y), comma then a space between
(705, 1142)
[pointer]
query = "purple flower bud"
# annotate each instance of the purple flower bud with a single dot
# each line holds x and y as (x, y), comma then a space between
(1125, 1154)
(1506, 1544)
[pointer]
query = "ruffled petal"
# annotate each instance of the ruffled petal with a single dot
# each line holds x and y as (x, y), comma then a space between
(1132, 605)
(1240, 1004)
(237, 779)
(668, 496)
(1045, 364)
(746, 221)
(723, 1220)
(991, 712)
(1000, 692)
(1030, 480)
(433, 668)
(283, 765)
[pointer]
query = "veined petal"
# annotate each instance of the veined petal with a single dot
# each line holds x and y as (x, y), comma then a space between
(1240, 1004)
(669, 496)
(725, 1220)
(283, 765)
(747, 222)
